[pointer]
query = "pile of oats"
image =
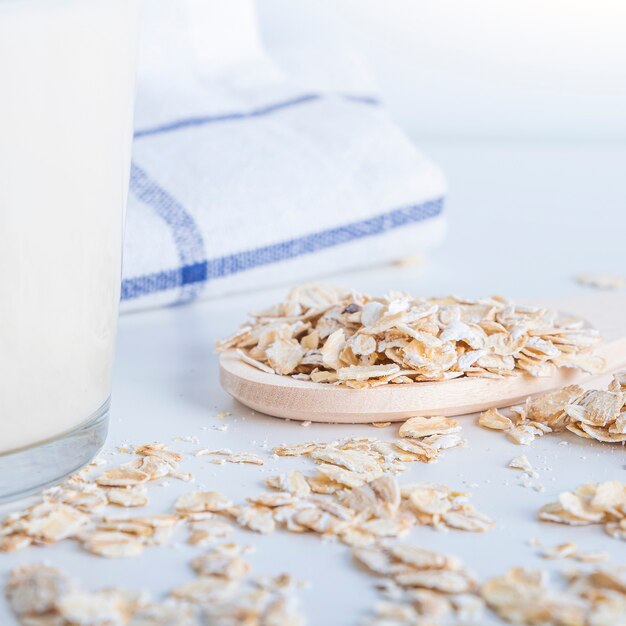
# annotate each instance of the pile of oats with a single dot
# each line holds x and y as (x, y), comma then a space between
(223, 593)
(352, 497)
(346, 338)
(592, 503)
(357, 513)
(74, 510)
(420, 586)
(596, 598)
(365, 502)
(593, 414)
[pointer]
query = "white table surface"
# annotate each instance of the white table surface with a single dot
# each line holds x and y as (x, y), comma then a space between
(523, 218)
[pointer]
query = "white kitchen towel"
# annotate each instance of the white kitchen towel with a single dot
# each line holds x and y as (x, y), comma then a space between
(243, 178)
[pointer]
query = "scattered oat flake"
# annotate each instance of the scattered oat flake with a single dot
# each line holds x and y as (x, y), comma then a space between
(592, 503)
(257, 518)
(159, 450)
(202, 501)
(221, 452)
(601, 281)
(224, 592)
(494, 420)
(521, 463)
(466, 517)
(51, 523)
(294, 483)
(570, 550)
(527, 597)
(122, 477)
(353, 460)
(299, 449)
(232, 457)
(524, 434)
(417, 427)
(216, 563)
(591, 557)
(34, 589)
(112, 544)
(187, 439)
(205, 532)
(562, 551)
(344, 476)
(14, 542)
(209, 590)
(245, 457)
(597, 414)
(420, 586)
(127, 496)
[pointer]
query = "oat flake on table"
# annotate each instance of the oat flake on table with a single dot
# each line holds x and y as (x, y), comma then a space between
(598, 414)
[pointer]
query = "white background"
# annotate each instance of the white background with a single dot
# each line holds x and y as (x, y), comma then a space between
(449, 68)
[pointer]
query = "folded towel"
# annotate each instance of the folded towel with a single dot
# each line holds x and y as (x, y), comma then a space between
(243, 178)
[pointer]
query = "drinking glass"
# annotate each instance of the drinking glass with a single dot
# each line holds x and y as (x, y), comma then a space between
(67, 73)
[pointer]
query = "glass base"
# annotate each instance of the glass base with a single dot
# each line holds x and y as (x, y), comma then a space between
(25, 471)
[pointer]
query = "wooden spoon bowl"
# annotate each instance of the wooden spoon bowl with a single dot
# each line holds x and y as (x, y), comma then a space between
(283, 396)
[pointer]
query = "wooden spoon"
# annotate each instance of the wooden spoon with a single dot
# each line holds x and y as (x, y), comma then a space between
(282, 396)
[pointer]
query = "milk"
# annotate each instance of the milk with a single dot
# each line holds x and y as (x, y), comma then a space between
(66, 96)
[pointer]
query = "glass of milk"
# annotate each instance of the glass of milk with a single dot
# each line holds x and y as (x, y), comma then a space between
(67, 70)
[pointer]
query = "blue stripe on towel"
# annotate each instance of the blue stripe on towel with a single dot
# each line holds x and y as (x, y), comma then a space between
(362, 99)
(190, 122)
(225, 117)
(187, 237)
(199, 272)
